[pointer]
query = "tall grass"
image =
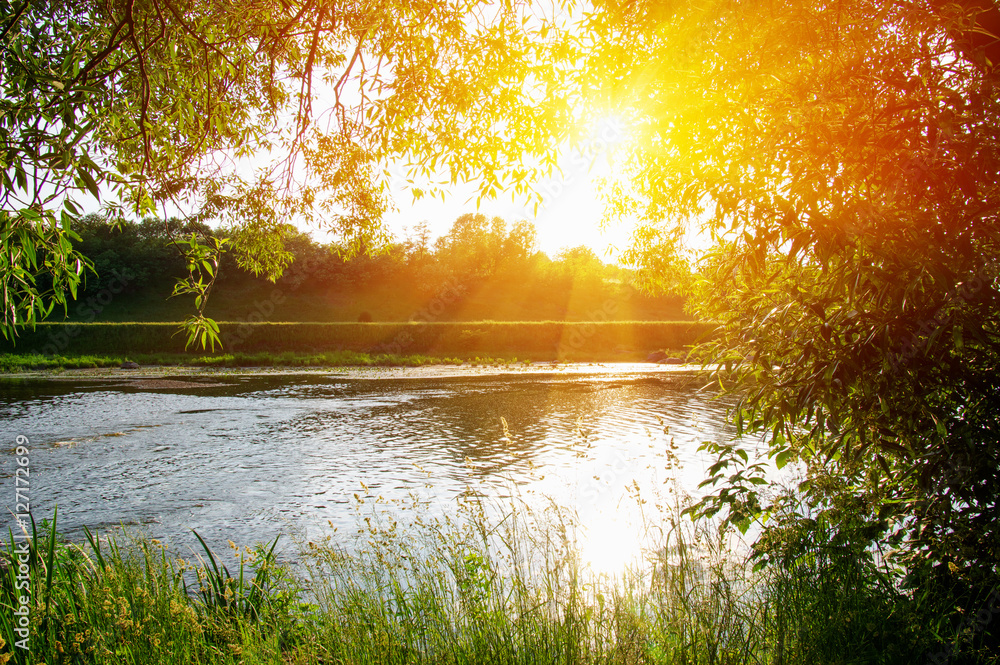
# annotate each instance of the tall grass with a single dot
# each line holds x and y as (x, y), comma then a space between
(479, 584)
(105, 602)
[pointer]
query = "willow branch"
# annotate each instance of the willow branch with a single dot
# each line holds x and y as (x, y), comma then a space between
(14, 20)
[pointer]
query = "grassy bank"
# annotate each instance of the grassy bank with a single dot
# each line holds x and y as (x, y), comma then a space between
(480, 586)
(13, 363)
(545, 340)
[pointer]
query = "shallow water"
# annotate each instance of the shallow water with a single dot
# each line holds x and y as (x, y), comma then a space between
(248, 457)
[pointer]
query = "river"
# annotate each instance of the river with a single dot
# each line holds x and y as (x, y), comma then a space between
(245, 457)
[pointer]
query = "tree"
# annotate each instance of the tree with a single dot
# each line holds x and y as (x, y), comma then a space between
(581, 267)
(129, 256)
(250, 113)
(479, 247)
(842, 157)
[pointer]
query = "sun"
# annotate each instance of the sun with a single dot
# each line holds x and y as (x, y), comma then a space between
(570, 211)
(611, 129)
(604, 137)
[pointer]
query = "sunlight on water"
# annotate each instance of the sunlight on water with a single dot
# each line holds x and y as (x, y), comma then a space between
(261, 455)
(611, 542)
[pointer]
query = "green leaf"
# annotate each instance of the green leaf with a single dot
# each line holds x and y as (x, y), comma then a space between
(781, 459)
(89, 181)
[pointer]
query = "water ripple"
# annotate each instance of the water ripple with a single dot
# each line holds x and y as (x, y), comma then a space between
(247, 460)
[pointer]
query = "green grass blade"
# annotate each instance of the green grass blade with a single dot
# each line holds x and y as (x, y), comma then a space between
(95, 544)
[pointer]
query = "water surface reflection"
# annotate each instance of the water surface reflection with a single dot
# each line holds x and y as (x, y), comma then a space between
(248, 457)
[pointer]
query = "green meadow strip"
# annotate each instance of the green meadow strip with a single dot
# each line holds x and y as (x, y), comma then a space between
(548, 339)
(12, 363)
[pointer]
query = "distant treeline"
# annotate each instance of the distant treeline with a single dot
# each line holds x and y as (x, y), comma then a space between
(482, 269)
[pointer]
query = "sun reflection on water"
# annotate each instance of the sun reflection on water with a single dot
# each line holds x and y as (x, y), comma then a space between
(609, 544)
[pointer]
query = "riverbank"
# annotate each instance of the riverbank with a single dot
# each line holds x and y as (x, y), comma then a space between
(34, 363)
(533, 340)
(109, 368)
(141, 362)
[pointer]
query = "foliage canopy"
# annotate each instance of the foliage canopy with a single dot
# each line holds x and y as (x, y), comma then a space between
(842, 157)
(248, 113)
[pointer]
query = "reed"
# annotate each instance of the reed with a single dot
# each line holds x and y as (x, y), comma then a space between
(485, 583)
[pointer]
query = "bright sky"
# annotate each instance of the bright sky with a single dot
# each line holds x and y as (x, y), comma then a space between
(571, 211)
(569, 215)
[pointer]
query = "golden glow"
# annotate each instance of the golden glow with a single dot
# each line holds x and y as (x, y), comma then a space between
(610, 131)
(611, 543)
(571, 210)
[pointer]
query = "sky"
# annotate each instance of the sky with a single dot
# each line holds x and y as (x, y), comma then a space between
(571, 211)
(570, 214)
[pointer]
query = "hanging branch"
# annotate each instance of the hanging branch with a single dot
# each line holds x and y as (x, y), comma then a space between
(15, 19)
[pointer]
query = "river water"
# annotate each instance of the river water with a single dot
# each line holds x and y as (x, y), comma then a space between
(246, 457)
